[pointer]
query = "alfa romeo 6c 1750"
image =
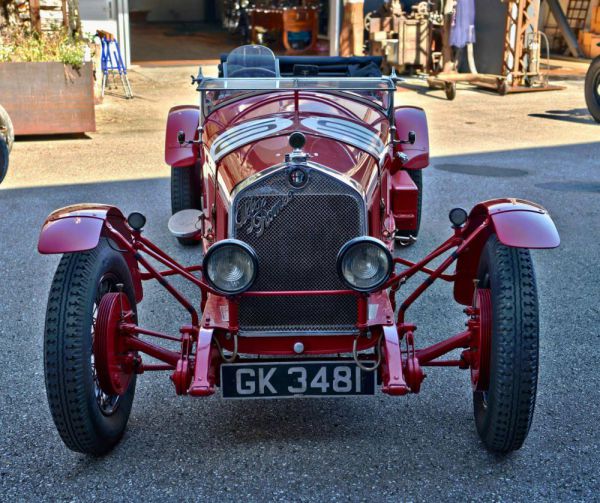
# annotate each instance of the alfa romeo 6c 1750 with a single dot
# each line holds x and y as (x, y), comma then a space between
(302, 181)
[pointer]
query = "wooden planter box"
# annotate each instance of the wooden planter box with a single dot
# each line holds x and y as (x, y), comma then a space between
(48, 98)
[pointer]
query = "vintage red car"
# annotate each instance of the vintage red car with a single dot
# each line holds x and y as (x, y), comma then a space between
(298, 181)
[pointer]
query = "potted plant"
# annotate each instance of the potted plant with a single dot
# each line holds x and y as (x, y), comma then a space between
(46, 81)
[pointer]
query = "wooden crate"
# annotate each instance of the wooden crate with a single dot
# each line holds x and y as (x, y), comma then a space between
(48, 98)
(412, 43)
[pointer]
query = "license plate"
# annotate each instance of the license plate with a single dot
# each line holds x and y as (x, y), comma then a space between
(295, 379)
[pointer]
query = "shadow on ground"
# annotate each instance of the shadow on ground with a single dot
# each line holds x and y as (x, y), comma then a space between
(576, 115)
(382, 448)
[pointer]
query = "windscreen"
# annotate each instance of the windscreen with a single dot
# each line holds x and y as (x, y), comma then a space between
(254, 69)
(251, 61)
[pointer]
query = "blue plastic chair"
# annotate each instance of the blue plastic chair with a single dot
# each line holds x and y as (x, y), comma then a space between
(112, 62)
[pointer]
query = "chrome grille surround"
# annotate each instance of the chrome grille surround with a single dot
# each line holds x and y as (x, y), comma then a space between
(298, 248)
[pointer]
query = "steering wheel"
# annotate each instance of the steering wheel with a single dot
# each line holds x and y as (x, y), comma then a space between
(252, 71)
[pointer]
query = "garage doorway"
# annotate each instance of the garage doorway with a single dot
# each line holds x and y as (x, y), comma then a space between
(177, 31)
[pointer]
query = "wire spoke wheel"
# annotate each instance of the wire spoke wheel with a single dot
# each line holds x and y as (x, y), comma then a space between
(504, 363)
(89, 415)
(481, 344)
(108, 403)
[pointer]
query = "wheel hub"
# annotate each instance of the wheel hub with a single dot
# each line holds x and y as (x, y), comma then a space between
(481, 329)
(113, 362)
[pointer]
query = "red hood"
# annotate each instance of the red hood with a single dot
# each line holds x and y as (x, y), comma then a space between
(270, 150)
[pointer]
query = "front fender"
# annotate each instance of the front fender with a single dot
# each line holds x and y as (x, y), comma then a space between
(517, 223)
(184, 118)
(78, 228)
(407, 118)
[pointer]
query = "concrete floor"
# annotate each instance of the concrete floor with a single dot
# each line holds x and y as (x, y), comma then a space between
(155, 43)
(169, 44)
(540, 146)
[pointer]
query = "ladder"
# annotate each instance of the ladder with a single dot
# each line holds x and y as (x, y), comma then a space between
(112, 63)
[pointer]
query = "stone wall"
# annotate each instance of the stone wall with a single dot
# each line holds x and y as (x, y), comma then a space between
(40, 15)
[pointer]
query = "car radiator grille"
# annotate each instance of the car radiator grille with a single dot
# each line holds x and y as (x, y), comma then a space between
(298, 251)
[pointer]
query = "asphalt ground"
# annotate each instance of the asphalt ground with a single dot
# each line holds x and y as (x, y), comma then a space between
(540, 146)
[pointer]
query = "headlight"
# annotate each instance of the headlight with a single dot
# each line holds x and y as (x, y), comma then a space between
(230, 266)
(364, 264)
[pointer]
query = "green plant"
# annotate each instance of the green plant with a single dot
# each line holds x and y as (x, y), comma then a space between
(21, 46)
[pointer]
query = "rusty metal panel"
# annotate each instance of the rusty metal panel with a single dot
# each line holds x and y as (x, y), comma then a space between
(48, 98)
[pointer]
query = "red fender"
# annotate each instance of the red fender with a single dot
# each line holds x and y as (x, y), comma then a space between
(78, 228)
(182, 118)
(517, 223)
(411, 119)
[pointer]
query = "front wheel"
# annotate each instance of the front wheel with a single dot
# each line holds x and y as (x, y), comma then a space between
(504, 404)
(88, 418)
(592, 89)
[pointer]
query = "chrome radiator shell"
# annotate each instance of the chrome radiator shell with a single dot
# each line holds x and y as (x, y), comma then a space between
(297, 233)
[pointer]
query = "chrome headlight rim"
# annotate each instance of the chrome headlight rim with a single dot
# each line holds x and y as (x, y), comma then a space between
(362, 240)
(246, 248)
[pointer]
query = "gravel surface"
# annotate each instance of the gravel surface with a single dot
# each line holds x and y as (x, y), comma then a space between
(380, 448)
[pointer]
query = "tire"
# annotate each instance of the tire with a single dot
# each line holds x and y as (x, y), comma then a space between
(592, 89)
(6, 128)
(186, 193)
(504, 413)
(3, 159)
(503, 88)
(74, 395)
(450, 90)
(417, 177)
